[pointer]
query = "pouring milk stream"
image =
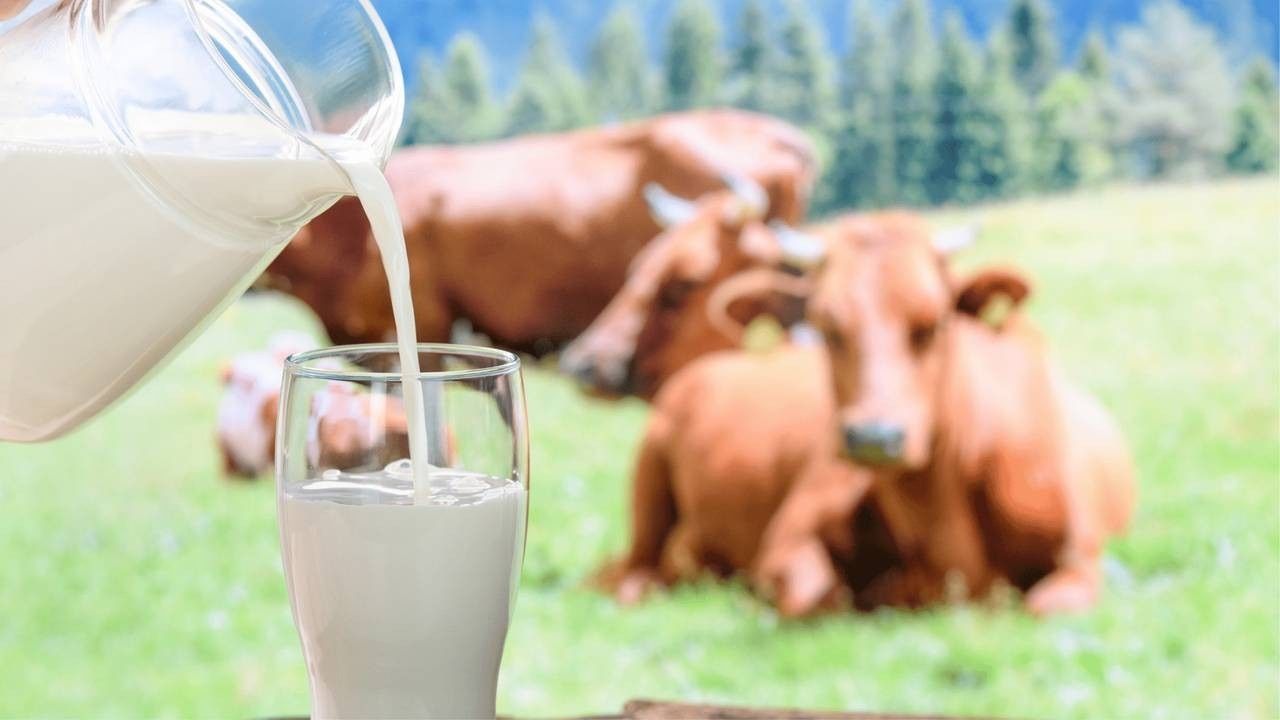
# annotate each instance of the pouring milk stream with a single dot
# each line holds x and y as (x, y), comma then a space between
(384, 219)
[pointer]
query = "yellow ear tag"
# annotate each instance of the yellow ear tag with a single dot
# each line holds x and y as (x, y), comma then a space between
(763, 334)
(997, 311)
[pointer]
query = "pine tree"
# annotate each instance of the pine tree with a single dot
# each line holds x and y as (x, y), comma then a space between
(1032, 44)
(1255, 146)
(751, 78)
(862, 172)
(1173, 99)
(431, 107)
(1003, 128)
(691, 63)
(549, 95)
(804, 89)
(911, 106)
(1072, 146)
(466, 79)
(1093, 65)
(454, 104)
(956, 159)
(621, 87)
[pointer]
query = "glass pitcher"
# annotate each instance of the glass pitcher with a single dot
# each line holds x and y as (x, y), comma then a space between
(155, 155)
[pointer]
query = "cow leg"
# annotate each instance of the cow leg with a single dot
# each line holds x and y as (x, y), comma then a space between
(794, 568)
(682, 556)
(907, 586)
(1068, 589)
(653, 519)
(1098, 489)
(1075, 583)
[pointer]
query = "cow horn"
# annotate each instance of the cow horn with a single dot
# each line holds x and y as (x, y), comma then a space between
(668, 210)
(748, 191)
(799, 249)
(756, 281)
(954, 239)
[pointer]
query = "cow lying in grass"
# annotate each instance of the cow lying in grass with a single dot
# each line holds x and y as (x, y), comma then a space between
(657, 323)
(352, 431)
(922, 452)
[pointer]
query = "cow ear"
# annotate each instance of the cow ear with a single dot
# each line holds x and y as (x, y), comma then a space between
(224, 372)
(992, 295)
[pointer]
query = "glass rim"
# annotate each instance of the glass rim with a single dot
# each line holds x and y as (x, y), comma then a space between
(297, 364)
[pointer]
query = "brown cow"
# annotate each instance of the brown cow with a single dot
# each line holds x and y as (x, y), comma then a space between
(988, 466)
(352, 429)
(950, 456)
(661, 319)
(246, 424)
(528, 239)
(705, 489)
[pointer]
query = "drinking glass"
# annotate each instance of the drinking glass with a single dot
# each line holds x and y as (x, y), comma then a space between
(402, 590)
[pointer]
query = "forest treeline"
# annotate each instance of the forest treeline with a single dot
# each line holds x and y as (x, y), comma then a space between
(914, 113)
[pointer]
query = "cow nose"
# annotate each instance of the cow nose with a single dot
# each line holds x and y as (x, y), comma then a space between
(874, 443)
(577, 368)
(590, 373)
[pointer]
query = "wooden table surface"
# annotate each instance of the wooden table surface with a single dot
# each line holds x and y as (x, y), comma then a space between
(658, 710)
(661, 710)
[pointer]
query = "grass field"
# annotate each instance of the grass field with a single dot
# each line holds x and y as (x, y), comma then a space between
(137, 582)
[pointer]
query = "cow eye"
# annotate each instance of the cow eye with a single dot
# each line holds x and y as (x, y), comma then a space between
(833, 339)
(674, 293)
(922, 335)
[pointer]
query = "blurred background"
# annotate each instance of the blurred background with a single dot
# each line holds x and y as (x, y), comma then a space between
(1123, 152)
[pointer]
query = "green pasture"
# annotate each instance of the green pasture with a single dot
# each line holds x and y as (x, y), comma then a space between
(136, 581)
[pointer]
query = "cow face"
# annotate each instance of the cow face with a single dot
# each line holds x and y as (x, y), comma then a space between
(880, 306)
(885, 307)
(658, 322)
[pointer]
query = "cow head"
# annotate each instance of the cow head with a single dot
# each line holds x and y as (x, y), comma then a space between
(356, 429)
(886, 307)
(658, 322)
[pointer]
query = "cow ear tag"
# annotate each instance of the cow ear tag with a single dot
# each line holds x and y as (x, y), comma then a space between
(992, 296)
(997, 311)
(763, 334)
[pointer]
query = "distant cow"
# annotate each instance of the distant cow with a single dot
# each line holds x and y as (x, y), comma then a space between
(247, 411)
(352, 429)
(529, 238)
